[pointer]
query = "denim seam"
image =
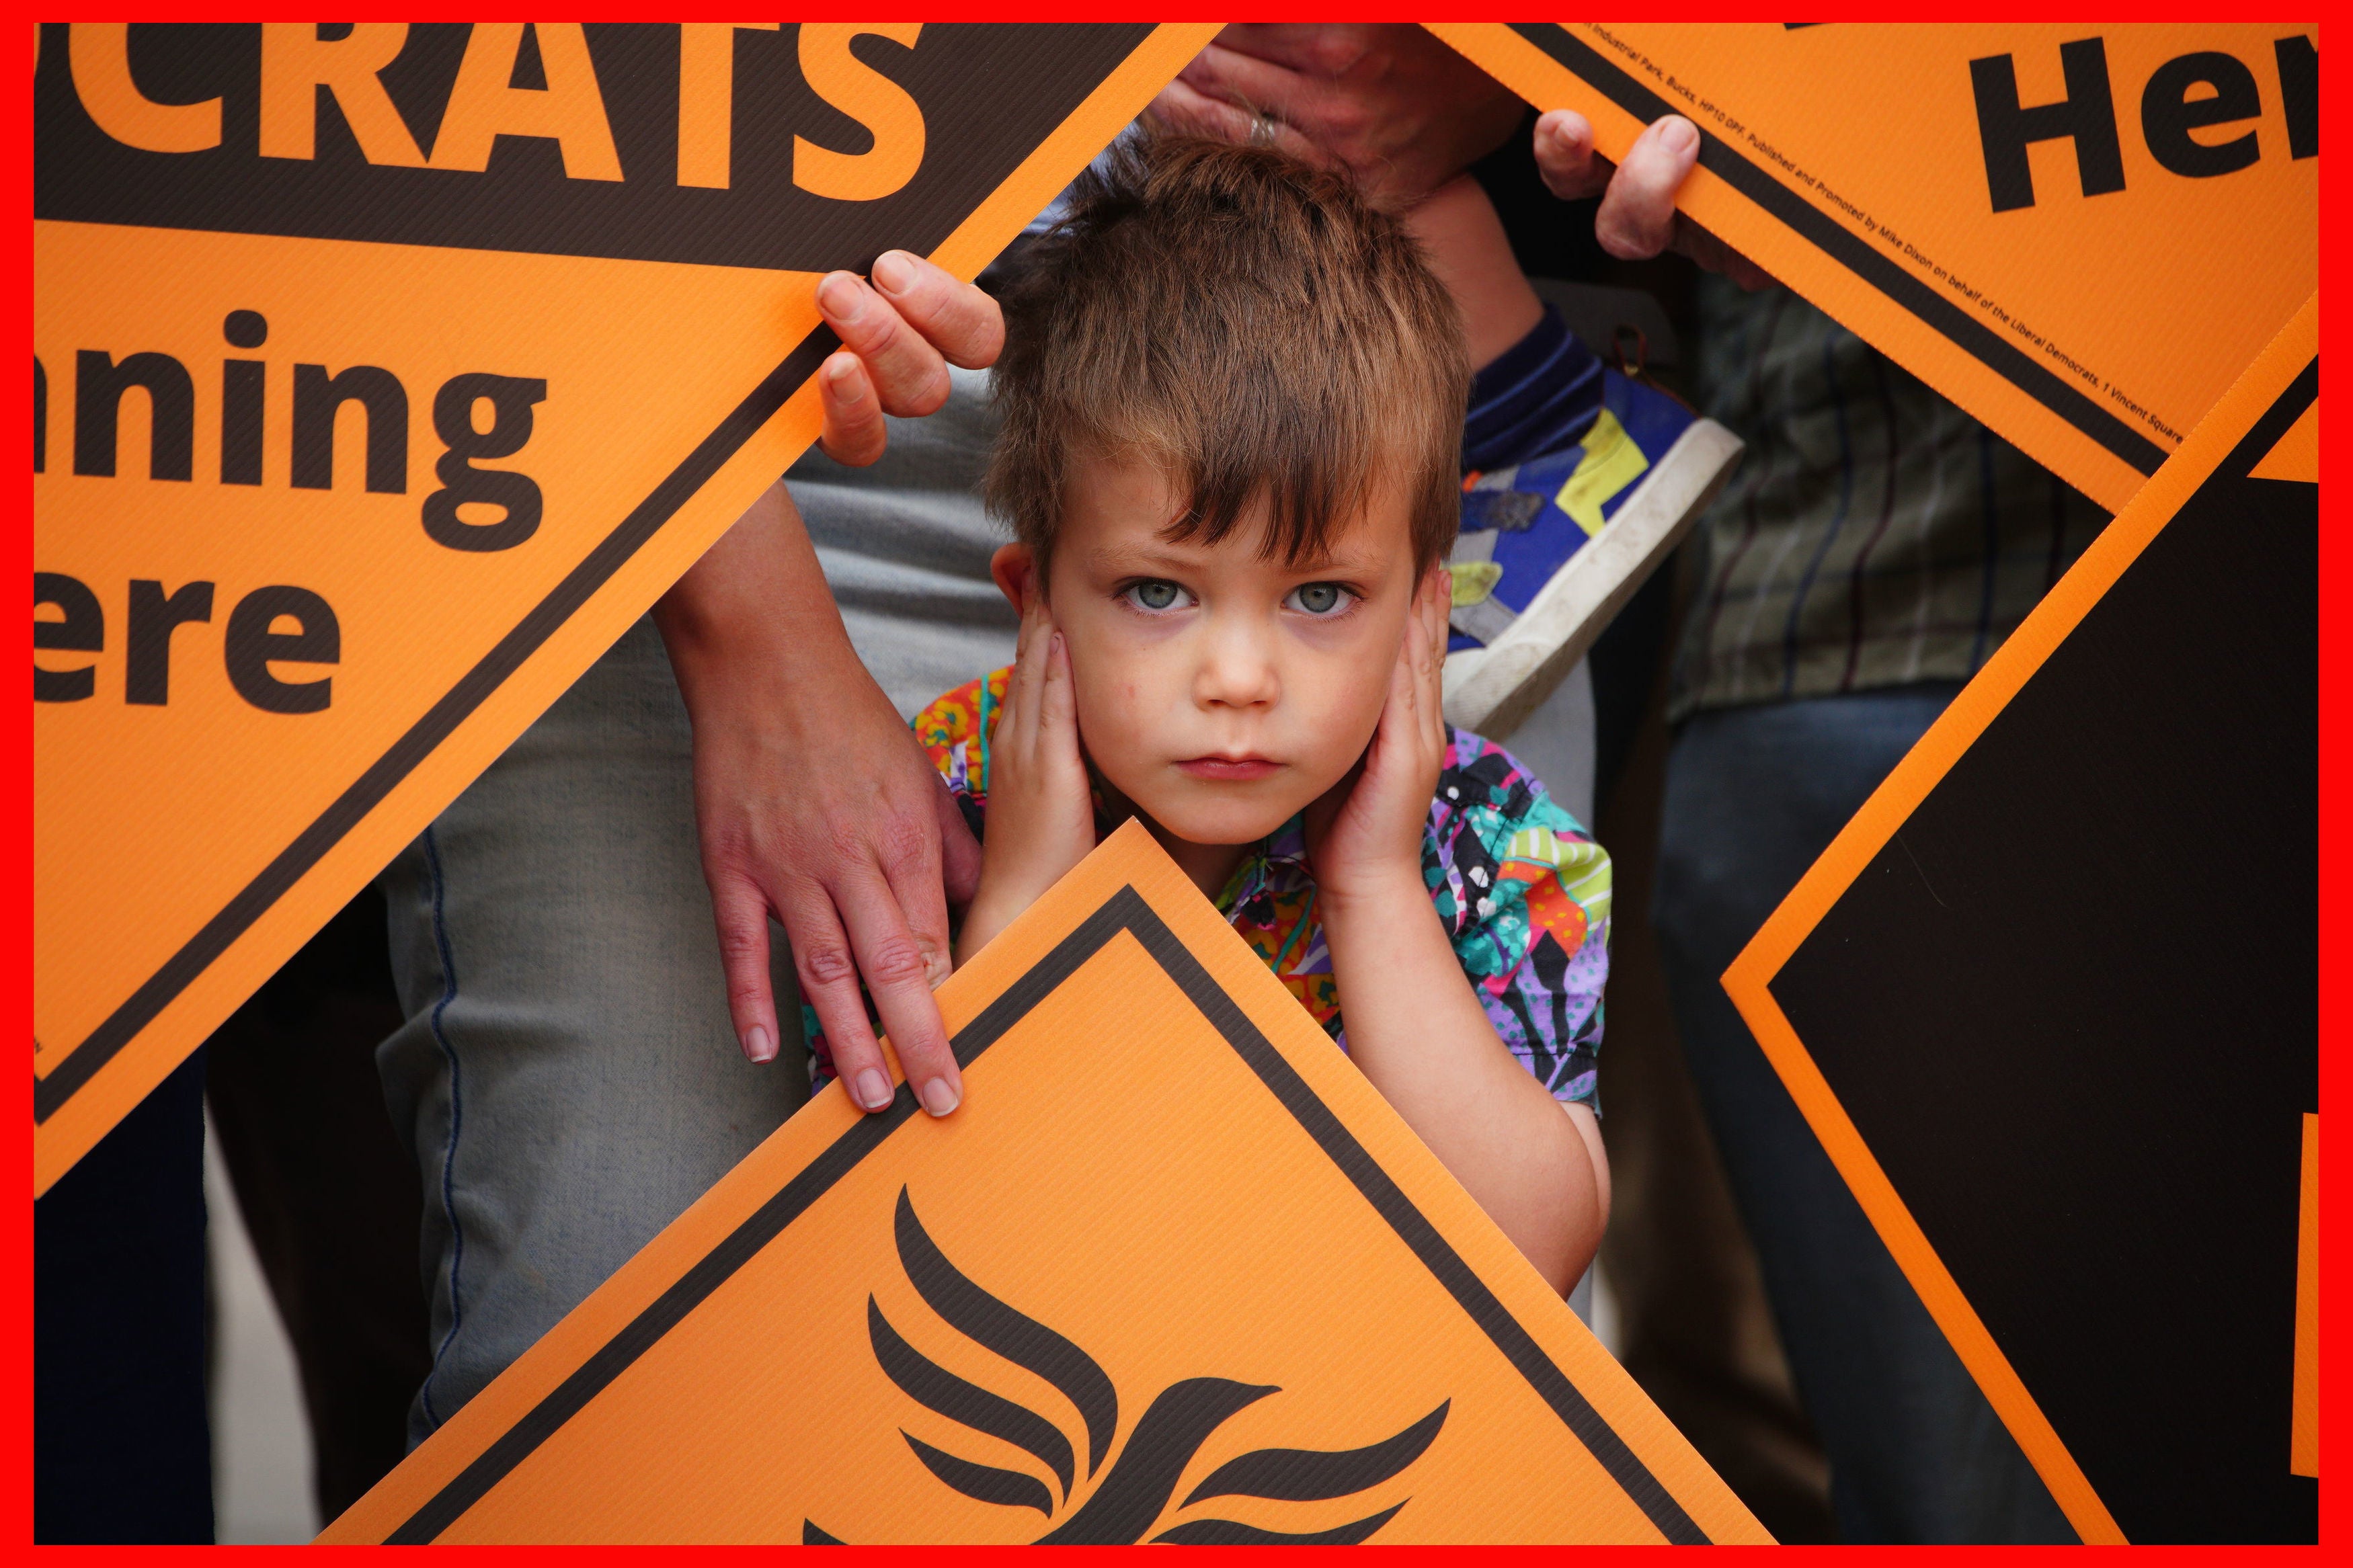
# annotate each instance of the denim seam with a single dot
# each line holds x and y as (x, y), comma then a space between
(456, 1116)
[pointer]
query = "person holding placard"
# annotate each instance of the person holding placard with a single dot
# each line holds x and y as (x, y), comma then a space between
(1876, 548)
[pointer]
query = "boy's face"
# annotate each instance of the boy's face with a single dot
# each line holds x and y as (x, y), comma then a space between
(1218, 690)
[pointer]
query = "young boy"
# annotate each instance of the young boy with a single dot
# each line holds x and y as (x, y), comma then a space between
(1233, 399)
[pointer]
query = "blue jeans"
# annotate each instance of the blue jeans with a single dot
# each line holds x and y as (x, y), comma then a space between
(1754, 796)
(567, 1078)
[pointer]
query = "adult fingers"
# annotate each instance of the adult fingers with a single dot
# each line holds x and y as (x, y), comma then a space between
(829, 976)
(1185, 108)
(899, 967)
(741, 911)
(1572, 170)
(1316, 49)
(1250, 83)
(957, 318)
(909, 375)
(1712, 254)
(911, 863)
(1182, 107)
(854, 431)
(1637, 218)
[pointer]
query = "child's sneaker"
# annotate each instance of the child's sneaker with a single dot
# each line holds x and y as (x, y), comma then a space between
(1551, 549)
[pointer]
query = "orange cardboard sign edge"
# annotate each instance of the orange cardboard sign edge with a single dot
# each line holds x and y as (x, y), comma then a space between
(2053, 421)
(208, 989)
(1748, 980)
(1128, 889)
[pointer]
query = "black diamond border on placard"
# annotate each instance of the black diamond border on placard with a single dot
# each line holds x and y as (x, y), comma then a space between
(1901, 287)
(439, 722)
(54, 1090)
(1127, 911)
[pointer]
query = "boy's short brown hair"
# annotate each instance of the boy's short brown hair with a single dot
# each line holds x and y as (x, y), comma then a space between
(1245, 322)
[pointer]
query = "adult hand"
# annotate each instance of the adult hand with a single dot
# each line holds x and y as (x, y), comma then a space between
(812, 799)
(814, 802)
(1638, 217)
(1399, 107)
(899, 334)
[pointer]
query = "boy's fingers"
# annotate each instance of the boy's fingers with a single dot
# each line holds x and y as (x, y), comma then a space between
(1565, 158)
(1636, 218)
(854, 431)
(1434, 674)
(1058, 709)
(829, 976)
(957, 318)
(742, 912)
(959, 850)
(909, 375)
(1018, 717)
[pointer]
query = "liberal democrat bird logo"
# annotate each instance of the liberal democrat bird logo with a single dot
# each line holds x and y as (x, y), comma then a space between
(1130, 1502)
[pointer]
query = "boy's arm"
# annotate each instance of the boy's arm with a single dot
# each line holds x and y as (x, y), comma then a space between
(1417, 1030)
(1415, 1027)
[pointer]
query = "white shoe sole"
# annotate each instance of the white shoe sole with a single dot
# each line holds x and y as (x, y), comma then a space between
(1489, 691)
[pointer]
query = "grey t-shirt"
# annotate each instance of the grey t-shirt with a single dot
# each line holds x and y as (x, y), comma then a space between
(905, 546)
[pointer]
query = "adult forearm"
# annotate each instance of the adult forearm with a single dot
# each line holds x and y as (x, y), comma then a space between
(1418, 1033)
(758, 594)
(1466, 247)
(813, 803)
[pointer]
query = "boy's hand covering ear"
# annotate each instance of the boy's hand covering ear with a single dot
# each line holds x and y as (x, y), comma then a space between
(1364, 835)
(1041, 817)
(1638, 217)
(899, 334)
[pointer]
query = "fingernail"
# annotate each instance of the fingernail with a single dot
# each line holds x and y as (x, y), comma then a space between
(843, 374)
(874, 1089)
(893, 272)
(1678, 135)
(757, 1046)
(938, 1097)
(842, 298)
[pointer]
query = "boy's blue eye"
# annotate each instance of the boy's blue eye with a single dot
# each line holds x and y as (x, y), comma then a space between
(1319, 598)
(1155, 595)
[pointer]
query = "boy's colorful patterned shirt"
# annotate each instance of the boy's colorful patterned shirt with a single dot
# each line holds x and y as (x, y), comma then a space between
(1522, 889)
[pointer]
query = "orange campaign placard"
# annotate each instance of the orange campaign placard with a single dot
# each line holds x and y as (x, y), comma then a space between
(384, 374)
(2079, 232)
(1175, 1272)
(2049, 999)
